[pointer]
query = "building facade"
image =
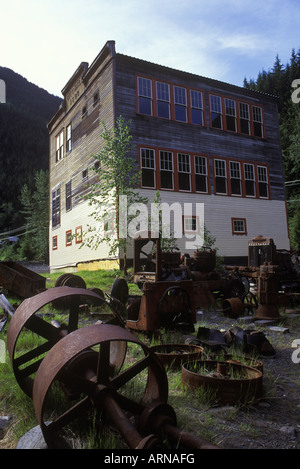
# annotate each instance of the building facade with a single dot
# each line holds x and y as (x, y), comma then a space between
(197, 140)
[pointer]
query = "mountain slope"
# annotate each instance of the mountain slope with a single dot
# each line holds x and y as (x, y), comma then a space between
(24, 140)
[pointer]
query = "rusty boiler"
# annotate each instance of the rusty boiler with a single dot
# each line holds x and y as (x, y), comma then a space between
(268, 299)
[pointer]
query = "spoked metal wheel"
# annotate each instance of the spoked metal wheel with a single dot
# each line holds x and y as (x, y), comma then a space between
(250, 302)
(77, 379)
(32, 323)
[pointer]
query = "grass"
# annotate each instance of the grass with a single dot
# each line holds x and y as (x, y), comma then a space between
(194, 409)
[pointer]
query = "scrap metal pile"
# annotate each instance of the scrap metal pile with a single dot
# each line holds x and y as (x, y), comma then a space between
(90, 367)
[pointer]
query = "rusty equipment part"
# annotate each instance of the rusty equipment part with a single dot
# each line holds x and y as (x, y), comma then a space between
(81, 362)
(164, 304)
(160, 419)
(233, 307)
(215, 377)
(268, 297)
(18, 279)
(173, 355)
(28, 317)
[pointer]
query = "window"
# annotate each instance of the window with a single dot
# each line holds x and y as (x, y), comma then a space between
(257, 121)
(145, 96)
(68, 196)
(190, 224)
(238, 226)
(96, 99)
(166, 170)
(235, 178)
(230, 112)
(56, 207)
(197, 107)
(249, 180)
(201, 173)
(69, 238)
(59, 146)
(69, 138)
(54, 243)
(244, 118)
(216, 112)
(263, 181)
(163, 100)
(220, 177)
(84, 174)
(180, 104)
(78, 235)
(148, 167)
(184, 172)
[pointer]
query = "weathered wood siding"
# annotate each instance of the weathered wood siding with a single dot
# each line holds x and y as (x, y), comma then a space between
(77, 165)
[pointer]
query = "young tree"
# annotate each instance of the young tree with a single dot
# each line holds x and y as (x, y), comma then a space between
(118, 175)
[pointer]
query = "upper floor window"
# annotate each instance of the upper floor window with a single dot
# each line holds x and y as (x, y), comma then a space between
(197, 107)
(166, 170)
(216, 111)
(145, 96)
(59, 153)
(249, 180)
(163, 100)
(201, 173)
(263, 181)
(220, 177)
(244, 118)
(184, 172)
(257, 121)
(69, 138)
(148, 167)
(230, 112)
(180, 104)
(235, 178)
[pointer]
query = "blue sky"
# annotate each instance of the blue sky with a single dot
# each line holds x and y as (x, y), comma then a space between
(46, 40)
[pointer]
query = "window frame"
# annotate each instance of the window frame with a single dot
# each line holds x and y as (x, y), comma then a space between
(54, 243)
(214, 111)
(143, 96)
(197, 108)
(183, 172)
(220, 176)
(56, 207)
(180, 103)
(69, 238)
(166, 170)
(59, 146)
(232, 178)
(239, 232)
(142, 148)
(163, 99)
(68, 138)
(248, 179)
(204, 175)
(265, 182)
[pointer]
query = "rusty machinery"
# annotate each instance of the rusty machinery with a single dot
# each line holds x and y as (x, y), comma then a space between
(172, 286)
(73, 372)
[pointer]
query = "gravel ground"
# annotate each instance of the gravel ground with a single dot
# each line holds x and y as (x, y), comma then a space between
(273, 423)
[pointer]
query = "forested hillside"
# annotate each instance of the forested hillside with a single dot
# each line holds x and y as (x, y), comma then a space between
(24, 142)
(283, 81)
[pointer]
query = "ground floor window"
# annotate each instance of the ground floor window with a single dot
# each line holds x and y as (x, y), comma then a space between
(238, 226)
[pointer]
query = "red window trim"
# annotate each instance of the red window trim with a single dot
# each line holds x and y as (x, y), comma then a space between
(237, 108)
(239, 233)
(242, 163)
(54, 248)
(78, 238)
(175, 169)
(68, 243)
(172, 100)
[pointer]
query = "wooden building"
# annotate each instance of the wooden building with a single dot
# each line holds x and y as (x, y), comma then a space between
(197, 141)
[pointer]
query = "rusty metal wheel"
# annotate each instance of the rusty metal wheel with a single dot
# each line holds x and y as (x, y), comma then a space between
(33, 322)
(81, 363)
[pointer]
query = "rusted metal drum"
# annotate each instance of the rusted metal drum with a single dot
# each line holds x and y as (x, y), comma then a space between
(228, 383)
(174, 355)
(233, 307)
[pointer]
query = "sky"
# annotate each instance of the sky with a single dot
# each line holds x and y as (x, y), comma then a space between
(46, 40)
